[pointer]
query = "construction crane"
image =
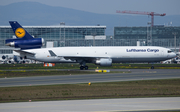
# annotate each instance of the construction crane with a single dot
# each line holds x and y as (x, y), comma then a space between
(152, 14)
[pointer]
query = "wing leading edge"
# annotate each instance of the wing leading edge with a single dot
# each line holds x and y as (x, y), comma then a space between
(78, 58)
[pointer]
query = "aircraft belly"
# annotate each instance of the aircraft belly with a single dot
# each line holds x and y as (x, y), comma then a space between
(119, 60)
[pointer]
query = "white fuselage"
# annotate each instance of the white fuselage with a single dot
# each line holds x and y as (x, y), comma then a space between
(117, 54)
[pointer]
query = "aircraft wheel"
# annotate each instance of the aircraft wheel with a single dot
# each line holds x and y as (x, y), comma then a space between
(81, 67)
(86, 67)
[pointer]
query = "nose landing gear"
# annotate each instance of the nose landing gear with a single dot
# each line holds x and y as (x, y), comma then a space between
(152, 65)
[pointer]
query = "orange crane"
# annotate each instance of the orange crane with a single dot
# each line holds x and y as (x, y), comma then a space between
(152, 14)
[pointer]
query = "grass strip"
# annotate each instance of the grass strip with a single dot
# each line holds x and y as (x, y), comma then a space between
(129, 89)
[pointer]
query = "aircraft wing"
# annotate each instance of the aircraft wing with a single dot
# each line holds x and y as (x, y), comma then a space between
(87, 59)
(78, 58)
(83, 58)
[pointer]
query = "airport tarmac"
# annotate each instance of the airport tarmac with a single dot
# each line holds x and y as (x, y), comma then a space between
(136, 74)
(96, 105)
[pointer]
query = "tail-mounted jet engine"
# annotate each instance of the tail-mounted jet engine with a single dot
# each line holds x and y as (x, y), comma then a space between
(25, 44)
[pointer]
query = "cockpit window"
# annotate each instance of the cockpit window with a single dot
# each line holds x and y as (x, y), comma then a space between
(169, 51)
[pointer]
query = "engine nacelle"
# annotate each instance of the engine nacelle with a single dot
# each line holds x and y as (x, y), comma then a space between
(25, 44)
(3, 57)
(104, 62)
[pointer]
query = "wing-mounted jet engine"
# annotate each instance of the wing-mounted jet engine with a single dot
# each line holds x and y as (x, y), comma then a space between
(104, 62)
(24, 40)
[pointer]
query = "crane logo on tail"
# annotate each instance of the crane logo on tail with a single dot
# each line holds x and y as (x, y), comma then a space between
(20, 32)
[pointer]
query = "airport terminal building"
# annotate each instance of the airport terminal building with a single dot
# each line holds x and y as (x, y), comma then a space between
(161, 35)
(63, 35)
(60, 35)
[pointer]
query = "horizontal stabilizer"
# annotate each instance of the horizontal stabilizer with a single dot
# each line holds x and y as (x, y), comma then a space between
(25, 52)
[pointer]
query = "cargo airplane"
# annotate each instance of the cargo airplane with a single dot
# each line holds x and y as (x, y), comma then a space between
(30, 48)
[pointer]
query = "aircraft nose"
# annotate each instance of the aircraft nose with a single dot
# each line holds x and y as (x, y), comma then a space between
(173, 55)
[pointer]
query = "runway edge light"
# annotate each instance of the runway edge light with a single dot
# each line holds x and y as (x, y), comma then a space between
(89, 83)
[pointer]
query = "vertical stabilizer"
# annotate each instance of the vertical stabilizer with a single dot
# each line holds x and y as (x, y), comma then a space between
(19, 31)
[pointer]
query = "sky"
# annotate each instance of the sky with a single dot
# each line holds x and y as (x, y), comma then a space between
(170, 7)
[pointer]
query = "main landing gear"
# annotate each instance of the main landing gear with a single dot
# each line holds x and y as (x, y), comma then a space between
(83, 66)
